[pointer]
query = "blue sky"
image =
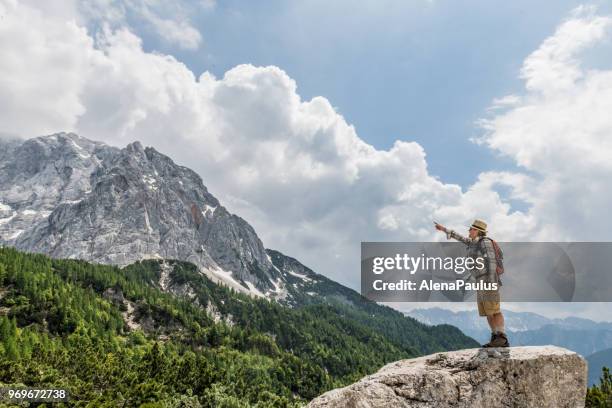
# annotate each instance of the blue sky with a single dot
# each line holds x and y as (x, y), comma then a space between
(421, 71)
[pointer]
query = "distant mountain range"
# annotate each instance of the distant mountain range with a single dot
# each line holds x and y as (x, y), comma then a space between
(591, 339)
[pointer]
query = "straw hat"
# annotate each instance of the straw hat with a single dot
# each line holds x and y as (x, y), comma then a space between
(480, 225)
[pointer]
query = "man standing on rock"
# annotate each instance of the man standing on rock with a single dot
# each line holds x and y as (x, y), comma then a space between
(480, 246)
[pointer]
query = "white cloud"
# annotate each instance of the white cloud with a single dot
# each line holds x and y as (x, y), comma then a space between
(169, 21)
(41, 70)
(504, 102)
(175, 30)
(296, 169)
(554, 66)
(305, 179)
(560, 131)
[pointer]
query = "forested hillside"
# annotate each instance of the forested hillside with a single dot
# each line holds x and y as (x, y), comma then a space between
(159, 332)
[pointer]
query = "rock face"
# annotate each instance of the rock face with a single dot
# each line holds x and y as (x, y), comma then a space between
(536, 376)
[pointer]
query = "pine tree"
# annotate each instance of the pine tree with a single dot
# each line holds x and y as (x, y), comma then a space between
(600, 395)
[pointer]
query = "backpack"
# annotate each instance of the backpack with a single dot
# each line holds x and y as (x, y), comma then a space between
(499, 255)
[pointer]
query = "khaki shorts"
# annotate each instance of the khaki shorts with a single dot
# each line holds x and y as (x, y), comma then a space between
(488, 302)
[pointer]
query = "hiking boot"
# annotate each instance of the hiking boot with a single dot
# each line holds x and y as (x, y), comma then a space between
(498, 340)
(490, 341)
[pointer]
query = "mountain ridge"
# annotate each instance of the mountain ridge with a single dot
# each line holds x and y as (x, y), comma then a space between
(69, 197)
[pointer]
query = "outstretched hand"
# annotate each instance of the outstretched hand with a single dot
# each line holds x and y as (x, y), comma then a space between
(440, 227)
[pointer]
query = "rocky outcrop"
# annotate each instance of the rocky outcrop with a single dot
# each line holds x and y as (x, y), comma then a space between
(537, 376)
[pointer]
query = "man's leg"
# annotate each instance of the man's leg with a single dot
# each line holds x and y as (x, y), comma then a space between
(491, 321)
(482, 311)
(497, 323)
(489, 306)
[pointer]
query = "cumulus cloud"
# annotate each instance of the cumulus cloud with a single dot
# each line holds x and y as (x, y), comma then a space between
(295, 168)
(560, 131)
(41, 70)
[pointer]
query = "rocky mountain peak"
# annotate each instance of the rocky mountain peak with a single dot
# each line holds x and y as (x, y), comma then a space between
(69, 197)
(135, 148)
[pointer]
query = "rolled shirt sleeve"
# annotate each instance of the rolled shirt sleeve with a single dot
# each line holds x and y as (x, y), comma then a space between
(454, 235)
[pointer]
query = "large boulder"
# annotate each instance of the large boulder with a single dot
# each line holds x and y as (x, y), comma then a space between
(536, 376)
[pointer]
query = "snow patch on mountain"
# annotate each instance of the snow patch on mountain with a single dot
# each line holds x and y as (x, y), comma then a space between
(150, 182)
(4, 207)
(298, 275)
(15, 234)
(208, 211)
